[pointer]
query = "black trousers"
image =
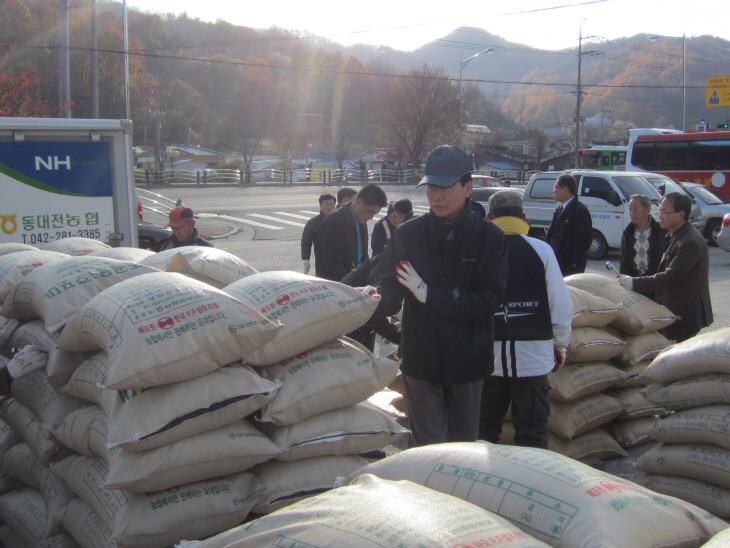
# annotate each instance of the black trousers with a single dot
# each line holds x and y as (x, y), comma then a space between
(530, 409)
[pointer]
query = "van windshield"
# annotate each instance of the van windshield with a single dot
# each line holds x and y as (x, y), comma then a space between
(630, 184)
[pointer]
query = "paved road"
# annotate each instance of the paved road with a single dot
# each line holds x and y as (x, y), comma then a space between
(268, 223)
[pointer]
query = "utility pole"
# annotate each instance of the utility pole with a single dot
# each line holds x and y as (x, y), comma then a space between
(126, 60)
(578, 94)
(64, 77)
(94, 64)
(157, 116)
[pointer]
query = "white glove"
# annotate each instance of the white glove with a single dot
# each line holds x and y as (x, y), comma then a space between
(369, 289)
(7, 330)
(26, 360)
(306, 267)
(627, 282)
(408, 276)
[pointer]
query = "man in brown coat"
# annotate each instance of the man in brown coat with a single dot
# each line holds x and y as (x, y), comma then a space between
(682, 282)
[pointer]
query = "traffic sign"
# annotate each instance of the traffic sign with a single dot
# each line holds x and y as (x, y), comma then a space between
(718, 91)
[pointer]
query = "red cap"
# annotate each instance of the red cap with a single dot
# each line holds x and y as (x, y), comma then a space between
(179, 216)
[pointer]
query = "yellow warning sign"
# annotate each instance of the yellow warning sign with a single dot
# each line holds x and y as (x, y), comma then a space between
(718, 91)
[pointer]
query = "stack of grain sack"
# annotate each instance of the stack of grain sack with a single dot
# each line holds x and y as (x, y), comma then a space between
(596, 409)
(140, 428)
(692, 461)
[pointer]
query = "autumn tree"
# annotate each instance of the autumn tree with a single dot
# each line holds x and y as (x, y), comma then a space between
(16, 96)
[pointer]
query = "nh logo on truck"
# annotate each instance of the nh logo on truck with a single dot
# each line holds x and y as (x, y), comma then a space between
(52, 163)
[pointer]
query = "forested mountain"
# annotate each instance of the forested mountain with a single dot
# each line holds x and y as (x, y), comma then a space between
(224, 86)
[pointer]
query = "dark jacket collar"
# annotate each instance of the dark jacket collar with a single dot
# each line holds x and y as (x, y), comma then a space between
(190, 241)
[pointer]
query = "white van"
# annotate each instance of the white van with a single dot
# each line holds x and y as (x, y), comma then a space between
(605, 194)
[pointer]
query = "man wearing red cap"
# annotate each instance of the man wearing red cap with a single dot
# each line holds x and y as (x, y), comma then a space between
(183, 228)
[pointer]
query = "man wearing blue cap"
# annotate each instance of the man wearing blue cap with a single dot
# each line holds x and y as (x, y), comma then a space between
(450, 268)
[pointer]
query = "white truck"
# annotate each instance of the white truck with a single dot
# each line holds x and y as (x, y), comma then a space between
(605, 194)
(62, 178)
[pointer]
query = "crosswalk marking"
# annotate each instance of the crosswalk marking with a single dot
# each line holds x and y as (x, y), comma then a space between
(249, 222)
(292, 215)
(310, 212)
(270, 218)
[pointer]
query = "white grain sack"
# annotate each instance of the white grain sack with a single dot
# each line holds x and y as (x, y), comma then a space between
(230, 449)
(161, 328)
(312, 310)
(595, 443)
(146, 419)
(630, 433)
(56, 291)
(697, 461)
(699, 391)
(374, 512)
(720, 540)
(558, 500)
(288, 482)
(706, 353)
(633, 373)
(636, 404)
(15, 266)
(638, 313)
(43, 444)
(10, 538)
(61, 365)
(590, 310)
(76, 246)
(8, 437)
(33, 333)
(591, 344)
(85, 431)
(207, 264)
(5, 249)
(85, 525)
(124, 253)
(709, 424)
(572, 381)
(639, 347)
(24, 511)
(336, 374)
(348, 431)
(572, 418)
(708, 496)
(159, 519)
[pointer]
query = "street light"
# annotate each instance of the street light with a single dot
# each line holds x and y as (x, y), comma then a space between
(684, 75)
(462, 64)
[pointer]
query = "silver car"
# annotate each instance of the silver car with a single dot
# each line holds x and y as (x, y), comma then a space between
(665, 185)
(723, 238)
(714, 207)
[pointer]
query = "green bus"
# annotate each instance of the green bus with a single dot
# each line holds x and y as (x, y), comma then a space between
(605, 158)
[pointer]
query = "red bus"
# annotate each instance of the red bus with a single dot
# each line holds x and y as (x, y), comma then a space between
(698, 157)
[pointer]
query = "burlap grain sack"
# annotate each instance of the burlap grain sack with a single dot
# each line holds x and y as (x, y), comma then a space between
(288, 482)
(24, 511)
(312, 310)
(76, 246)
(8, 248)
(590, 310)
(630, 433)
(636, 404)
(573, 418)
(706, 353)
(207, 264)
(85, 431)
(15, 266)
(638, 314)
(230, 449)
(21, 464)
(33, 333)
(591, 344)
(43, 444)
(699, 391)
(145, 419)
(639, 347)
(161, 328)
(348, 431)
(702, 462)
(375, 512)
(160, 519)
(124, 254)
(57, 291)
(573, 381)
(560, 501)
(336, 374)
(85, 526)
(720, 540)
(709, 424)
(708, 496)
(595, 443)
(47, 404)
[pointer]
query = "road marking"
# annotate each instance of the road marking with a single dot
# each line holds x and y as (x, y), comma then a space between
(310, 212)
(249, 222)
(292, 215)
(422, 209)
(270, 218)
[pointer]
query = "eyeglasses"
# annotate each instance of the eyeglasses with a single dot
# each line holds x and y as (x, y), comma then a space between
(662, 212)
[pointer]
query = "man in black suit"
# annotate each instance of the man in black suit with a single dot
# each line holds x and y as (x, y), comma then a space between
(570, 230)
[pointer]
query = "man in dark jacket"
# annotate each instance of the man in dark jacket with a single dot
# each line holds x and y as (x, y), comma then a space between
(343, 239)
(642, 243)
(183, 228)
(398, 212)
(450, 267)
(312, 228)
(682, 283)
(570, 230)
